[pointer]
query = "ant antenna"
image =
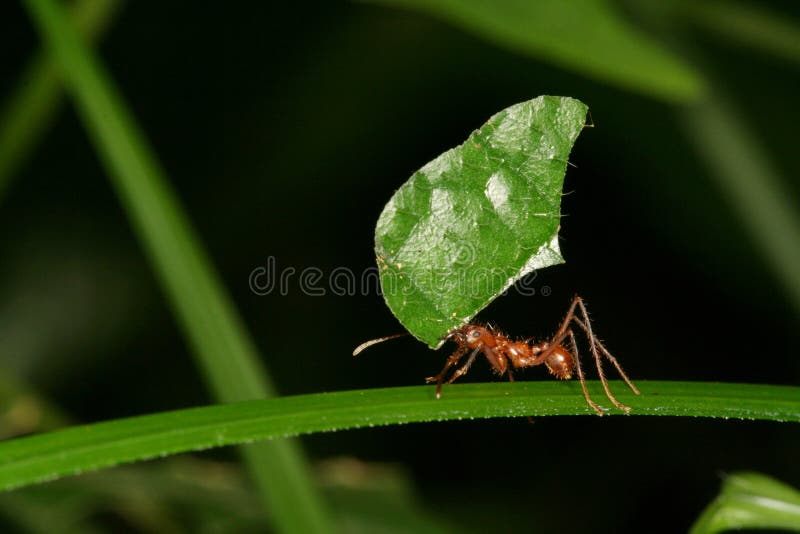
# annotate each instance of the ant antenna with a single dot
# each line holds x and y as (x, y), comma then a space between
(367, 344)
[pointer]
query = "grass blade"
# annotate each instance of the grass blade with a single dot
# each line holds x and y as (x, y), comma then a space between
(590, 37)
(752, 186)
(46, 456)
(749, 24)
(28, 111)
(225, 352)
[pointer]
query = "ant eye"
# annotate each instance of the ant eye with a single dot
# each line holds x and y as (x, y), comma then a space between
(476, 333)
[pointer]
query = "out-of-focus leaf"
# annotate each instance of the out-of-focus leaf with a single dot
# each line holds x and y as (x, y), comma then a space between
(371, 497)
(479, 217)
(23, 410)
(748, 179)
(184, 494)
(753, 501)
(588, 36)
(750, 24)
(189, 494)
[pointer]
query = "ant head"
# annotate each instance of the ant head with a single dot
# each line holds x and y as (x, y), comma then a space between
(470, 335)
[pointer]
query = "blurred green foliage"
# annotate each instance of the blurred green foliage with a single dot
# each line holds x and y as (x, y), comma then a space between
(284, 130)
(751, 500)
(213, 329)
(588, 36)
(30, 108)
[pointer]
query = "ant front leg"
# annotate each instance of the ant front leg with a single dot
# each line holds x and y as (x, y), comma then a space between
(451, 361)
(461, 371)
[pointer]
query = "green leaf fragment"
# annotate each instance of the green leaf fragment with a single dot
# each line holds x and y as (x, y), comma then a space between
(469, 224)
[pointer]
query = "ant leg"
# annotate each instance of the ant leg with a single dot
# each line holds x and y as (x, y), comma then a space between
(560, 334)
(451, 361)
(610, 357)
(461, 371)
(594, 343)
(581, 378)
(598, 360)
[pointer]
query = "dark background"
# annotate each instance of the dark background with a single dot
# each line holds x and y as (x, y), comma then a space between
(285, 131)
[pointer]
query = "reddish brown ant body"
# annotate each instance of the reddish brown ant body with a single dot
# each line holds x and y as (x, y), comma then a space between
(503, 354)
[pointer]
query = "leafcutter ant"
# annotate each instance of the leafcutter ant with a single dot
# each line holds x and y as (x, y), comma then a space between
(559, 354)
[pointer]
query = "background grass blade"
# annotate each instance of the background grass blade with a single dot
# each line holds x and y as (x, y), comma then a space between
(748, 24)
(746, 177)
(225, 352)
(78, 449)
(586, 36)
(27, 112)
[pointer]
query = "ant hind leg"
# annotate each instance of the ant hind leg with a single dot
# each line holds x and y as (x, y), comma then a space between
(593, 345)
(581, 377)
(610, 357)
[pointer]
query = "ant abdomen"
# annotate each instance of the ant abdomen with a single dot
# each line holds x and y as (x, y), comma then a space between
(560, 363)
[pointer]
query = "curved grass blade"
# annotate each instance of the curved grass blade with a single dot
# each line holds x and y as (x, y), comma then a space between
(75, 450)
(751, 501)
(213, 328)
(473, 221)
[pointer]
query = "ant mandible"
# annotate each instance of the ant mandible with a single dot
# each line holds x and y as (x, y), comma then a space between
(562, 361)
